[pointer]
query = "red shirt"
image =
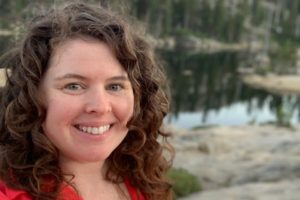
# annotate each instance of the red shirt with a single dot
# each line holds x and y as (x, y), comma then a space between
(68, 193)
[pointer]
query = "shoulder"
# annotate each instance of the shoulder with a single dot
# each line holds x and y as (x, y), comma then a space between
(7, 193)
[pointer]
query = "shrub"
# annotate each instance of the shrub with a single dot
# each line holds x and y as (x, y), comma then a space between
(184, 183)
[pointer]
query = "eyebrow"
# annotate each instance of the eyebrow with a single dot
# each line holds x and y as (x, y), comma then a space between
(78, 76)
(69, 76)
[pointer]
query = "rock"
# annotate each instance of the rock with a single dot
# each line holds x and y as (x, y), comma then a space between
(282, 85)
(231, 161)
(275, 170)
(284, 190)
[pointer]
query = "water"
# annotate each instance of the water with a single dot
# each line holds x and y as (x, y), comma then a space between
(235, 114)
(206, 90)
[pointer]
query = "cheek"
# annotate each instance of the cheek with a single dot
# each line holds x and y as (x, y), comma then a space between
(60, 110)
(124, 109)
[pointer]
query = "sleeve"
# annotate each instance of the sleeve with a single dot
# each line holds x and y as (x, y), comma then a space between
(134, 194)
(3, 196)
(7, 193)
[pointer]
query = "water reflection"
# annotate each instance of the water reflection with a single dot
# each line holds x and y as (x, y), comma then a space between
(202, 81)
(207, 85)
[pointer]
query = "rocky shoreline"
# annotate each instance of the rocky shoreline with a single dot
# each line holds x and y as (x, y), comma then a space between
(282, 85)
(205, 45)
(241, 162)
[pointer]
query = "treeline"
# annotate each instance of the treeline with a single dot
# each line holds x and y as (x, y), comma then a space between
(196, 17)
(225, 20)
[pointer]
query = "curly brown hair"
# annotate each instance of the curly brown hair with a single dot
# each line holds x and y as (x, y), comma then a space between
(28, 158)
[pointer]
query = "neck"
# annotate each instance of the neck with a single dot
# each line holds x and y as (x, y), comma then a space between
(77, 169)
(90, 177)
(89, 172)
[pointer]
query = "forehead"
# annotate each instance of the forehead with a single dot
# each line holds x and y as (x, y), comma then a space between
(80, 47)
(84, 55)
(60, 45)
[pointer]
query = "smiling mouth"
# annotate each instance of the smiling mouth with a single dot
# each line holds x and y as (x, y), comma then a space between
(99, 130)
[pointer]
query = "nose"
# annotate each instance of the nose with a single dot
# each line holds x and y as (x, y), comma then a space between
(98, 102)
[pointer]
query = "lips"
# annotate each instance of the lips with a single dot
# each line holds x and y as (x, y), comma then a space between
(99, 130)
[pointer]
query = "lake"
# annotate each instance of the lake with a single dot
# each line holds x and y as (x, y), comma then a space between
(207, 90)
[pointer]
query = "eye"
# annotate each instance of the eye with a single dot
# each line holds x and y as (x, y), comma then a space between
(115, 87)
(73, 87)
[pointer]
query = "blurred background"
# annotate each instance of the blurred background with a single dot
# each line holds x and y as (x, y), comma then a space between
(233, 69)
(206, 47)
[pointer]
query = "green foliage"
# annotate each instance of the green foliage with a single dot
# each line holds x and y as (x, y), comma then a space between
(184, 182)
(284, 56)
(262, 70)
(284, 107)
(283, 117)
(258, 14)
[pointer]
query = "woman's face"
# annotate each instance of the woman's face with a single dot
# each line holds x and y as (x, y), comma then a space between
(89, 100)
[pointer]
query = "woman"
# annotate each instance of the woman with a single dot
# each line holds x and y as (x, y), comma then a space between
(81, 111)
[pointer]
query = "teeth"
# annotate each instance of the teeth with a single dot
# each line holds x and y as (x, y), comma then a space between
(94, 130)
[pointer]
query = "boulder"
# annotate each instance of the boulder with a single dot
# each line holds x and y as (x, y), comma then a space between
(230, 161)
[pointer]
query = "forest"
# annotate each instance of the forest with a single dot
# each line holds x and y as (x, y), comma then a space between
(226, 20)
